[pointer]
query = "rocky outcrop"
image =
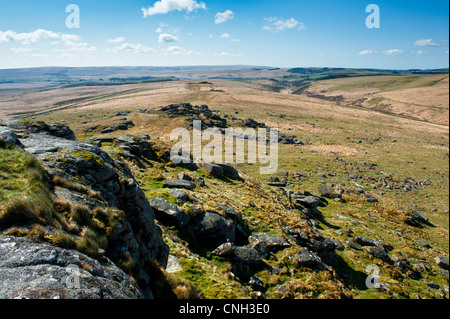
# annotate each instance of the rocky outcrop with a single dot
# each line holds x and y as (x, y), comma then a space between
(136, 237)
(33, 270)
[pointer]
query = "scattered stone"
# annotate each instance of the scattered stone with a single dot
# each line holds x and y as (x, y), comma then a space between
(352, 245)
(379, 252)
(420, 217)
(251, 254)
(307, 259)
(184, 162)
(433, 285)
(173, 265)
(178, 183)
(179, 195)
(364, 241)
(167, 212)
(123, 126)
(256, 283)
(213, 169)
(200, 181)
(214, 228)
(229, 171)
(371, 199)
(442, 262)
(423, 244)
(8, 135)
(444, 273)
(311, 201)
(328, 191)
(274, 243)
(225, 250)
(185, 177)
(339, 246)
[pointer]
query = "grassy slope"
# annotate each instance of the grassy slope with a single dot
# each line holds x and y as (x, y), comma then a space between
(405, 149)
(423, 97)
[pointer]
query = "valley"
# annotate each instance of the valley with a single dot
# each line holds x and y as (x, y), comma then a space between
(362, 180)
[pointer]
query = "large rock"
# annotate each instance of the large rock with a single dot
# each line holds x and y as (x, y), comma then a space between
(34, 270)
(94, 169)
(229, 171)
(8, 135)
(167, 212)
(310, 201)
(442, 262)
(214, 169)
(214, 228)
(364, 241)
(328, 191)
(184, 161)
(180, 183)
(57, 130)
(179, 195)
(251, 254)
(274, 243)
(325, 248)
(308, 259)
(379, 252)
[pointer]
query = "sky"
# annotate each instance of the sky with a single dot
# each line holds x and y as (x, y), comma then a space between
(394, 34)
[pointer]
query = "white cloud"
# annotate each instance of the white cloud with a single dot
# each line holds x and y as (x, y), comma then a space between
(66, 56)
(40, 55)
(419, 53)
(223, 54)
(165, 38)
(27, 38)
(222, 17)
(166, 6)
(278, 25)
(77, 49)
(40, 34)
(161, 27)
(176, 50)
(225, 36)
(427, 43)
(116, 40)
(22, 50)
(368, 51)
(135, 48)
(394, 52)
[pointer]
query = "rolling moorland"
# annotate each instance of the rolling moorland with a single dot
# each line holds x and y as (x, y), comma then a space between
(86, 178)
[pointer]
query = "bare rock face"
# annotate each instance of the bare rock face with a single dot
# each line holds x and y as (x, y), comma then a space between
(136, 237)
(33, 270)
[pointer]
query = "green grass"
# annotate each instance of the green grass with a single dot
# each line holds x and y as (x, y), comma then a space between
(386, 83)
(24, 195)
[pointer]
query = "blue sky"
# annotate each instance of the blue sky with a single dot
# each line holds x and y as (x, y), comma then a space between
(279, 33)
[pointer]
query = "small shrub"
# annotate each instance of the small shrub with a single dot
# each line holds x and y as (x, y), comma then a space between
(63, 240)
(37, 232)
(18, 211)
(81, 215)
(16, 232)
(87, 246)
(65, 183)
